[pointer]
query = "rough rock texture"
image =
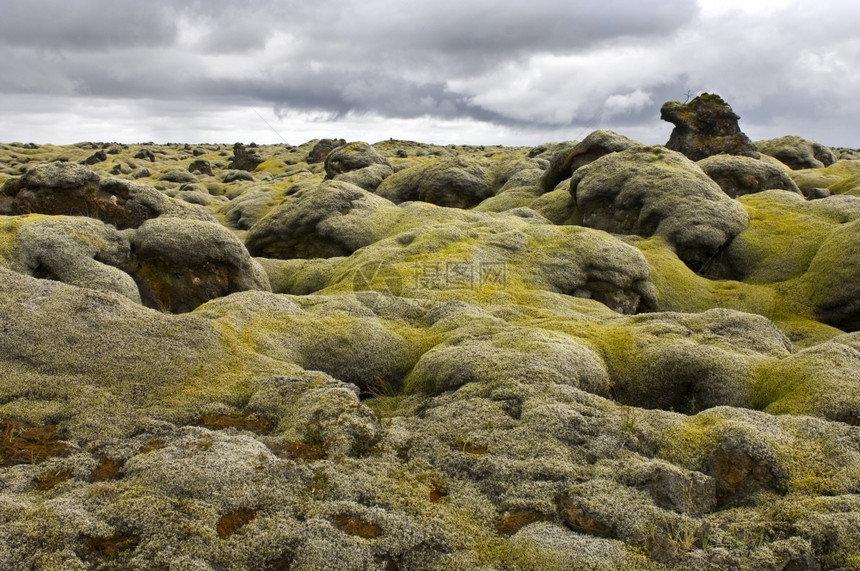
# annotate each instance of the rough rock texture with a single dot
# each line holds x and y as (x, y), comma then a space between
(797, 152)
(70, 189)
(351, 157)
(322, 149)
(653, 191)
(200, 166)
(320, 221)
(70, 249)
(455, 183)
(594, 146)
(495, 387)
(180, 264)
(244, 159)
(706, 126)
(744, 175)
(833, 280)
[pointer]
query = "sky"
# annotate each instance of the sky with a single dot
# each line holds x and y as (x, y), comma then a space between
(441, 71)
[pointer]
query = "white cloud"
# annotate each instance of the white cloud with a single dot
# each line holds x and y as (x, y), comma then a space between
(624, 104)
(525, 72)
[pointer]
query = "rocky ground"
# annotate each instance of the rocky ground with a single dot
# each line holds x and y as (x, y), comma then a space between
(585, 355)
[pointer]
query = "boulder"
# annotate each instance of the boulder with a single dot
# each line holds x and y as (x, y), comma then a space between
(314, 220)
(322, 149)
(353, 157)
(706, 126)
(798, 153)
(98, 157)
(451, 182)
(475, 355)
(739, 175)
(247, 209)
(71, 189)
(654, 191)
(180, 264)
(145, 154)
(244, 159)
(180, 176)
(77, 251)
(368, 178)
(594, 146)
(833, 278)
(234, 175)
(200, 166)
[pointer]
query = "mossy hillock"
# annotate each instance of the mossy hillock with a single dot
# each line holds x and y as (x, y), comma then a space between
(400, 355)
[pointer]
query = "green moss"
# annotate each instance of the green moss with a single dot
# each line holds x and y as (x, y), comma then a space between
(782, 237)
(690, 440)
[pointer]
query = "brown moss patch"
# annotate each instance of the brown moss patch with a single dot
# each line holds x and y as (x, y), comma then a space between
(581, 520)
(356, 526)
(109, 548)
(511, 521)
(469, 447)
(151, 445)
(231, 522)
(49, 480)
(298, 451)
(282, 563)
(107, 469)
(243, 421)
(437, 491)
(23, 443)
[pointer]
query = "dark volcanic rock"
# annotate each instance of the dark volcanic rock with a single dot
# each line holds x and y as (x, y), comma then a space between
(97, 157)
(200, 166)
(74, 190)
(743, 175)
(351, 157)
(798, 153)
(706, 126)
(244, 158)
(145, 154)
(653, 191)
(180, 264)
(322, 149)
(593, 147)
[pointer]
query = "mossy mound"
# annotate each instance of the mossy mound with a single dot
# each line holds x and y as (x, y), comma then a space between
(488, 384)
(664, 194)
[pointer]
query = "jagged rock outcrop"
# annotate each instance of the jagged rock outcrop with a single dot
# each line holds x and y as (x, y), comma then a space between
(200, 166)
(706, 126)
(244, 158)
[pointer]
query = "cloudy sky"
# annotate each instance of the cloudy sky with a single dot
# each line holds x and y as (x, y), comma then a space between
(443, 71)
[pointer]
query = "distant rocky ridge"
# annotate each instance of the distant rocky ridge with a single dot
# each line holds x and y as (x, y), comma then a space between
(589, 354)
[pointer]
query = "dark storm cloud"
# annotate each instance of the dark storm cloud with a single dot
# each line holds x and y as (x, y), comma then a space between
(534, 66)
(85, 24)
(373, 56)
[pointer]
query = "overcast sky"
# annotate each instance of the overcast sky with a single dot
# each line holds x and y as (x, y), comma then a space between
(443, 71)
